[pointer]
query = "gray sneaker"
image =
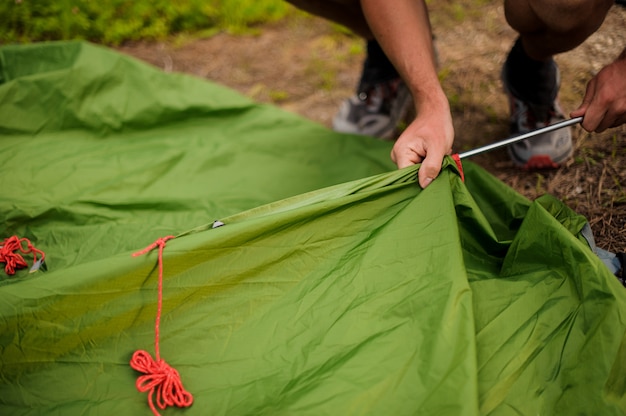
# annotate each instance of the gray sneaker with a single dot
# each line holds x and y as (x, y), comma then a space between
(545, 151)
(377, 112)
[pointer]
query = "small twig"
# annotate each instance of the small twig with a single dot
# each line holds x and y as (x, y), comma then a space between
(600, 182)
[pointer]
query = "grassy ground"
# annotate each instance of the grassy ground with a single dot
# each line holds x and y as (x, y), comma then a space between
(113, 22)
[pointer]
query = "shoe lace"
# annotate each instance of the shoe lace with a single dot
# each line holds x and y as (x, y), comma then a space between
(534, 116)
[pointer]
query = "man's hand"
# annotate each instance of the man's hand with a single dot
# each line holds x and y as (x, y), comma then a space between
(604, 104)
(403, 30)
(426, 140)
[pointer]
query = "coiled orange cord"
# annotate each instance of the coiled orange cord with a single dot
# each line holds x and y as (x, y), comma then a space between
(9, 254)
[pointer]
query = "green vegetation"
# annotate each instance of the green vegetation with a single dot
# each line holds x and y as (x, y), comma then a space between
(112, 22)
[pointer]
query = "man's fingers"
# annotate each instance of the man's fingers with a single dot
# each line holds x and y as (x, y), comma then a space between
(405, 157)
(428, 171)
(583, 109)
(593, 119)
(580, 111)
(431, 166)
(602, 107)
(427, 174)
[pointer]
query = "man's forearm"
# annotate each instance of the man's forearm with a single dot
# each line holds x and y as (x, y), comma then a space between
(402, 28)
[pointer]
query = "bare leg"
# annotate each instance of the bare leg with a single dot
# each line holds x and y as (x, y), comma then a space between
(549, 27)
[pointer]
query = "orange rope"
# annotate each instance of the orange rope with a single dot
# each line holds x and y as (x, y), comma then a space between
(159, 376)
(13, 260)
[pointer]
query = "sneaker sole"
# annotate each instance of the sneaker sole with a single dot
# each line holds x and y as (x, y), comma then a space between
(540, 161)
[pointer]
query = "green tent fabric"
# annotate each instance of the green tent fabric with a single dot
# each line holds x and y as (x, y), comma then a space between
(335, 286)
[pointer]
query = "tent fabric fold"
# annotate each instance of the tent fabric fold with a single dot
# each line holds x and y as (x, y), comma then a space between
(335, 285)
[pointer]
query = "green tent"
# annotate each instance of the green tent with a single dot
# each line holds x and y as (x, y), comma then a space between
(307, 275)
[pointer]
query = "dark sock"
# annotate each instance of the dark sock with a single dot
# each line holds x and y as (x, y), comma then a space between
(530, 80)
(377, 67)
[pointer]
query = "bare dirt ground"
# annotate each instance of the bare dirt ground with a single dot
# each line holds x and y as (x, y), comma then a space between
(308, 66)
